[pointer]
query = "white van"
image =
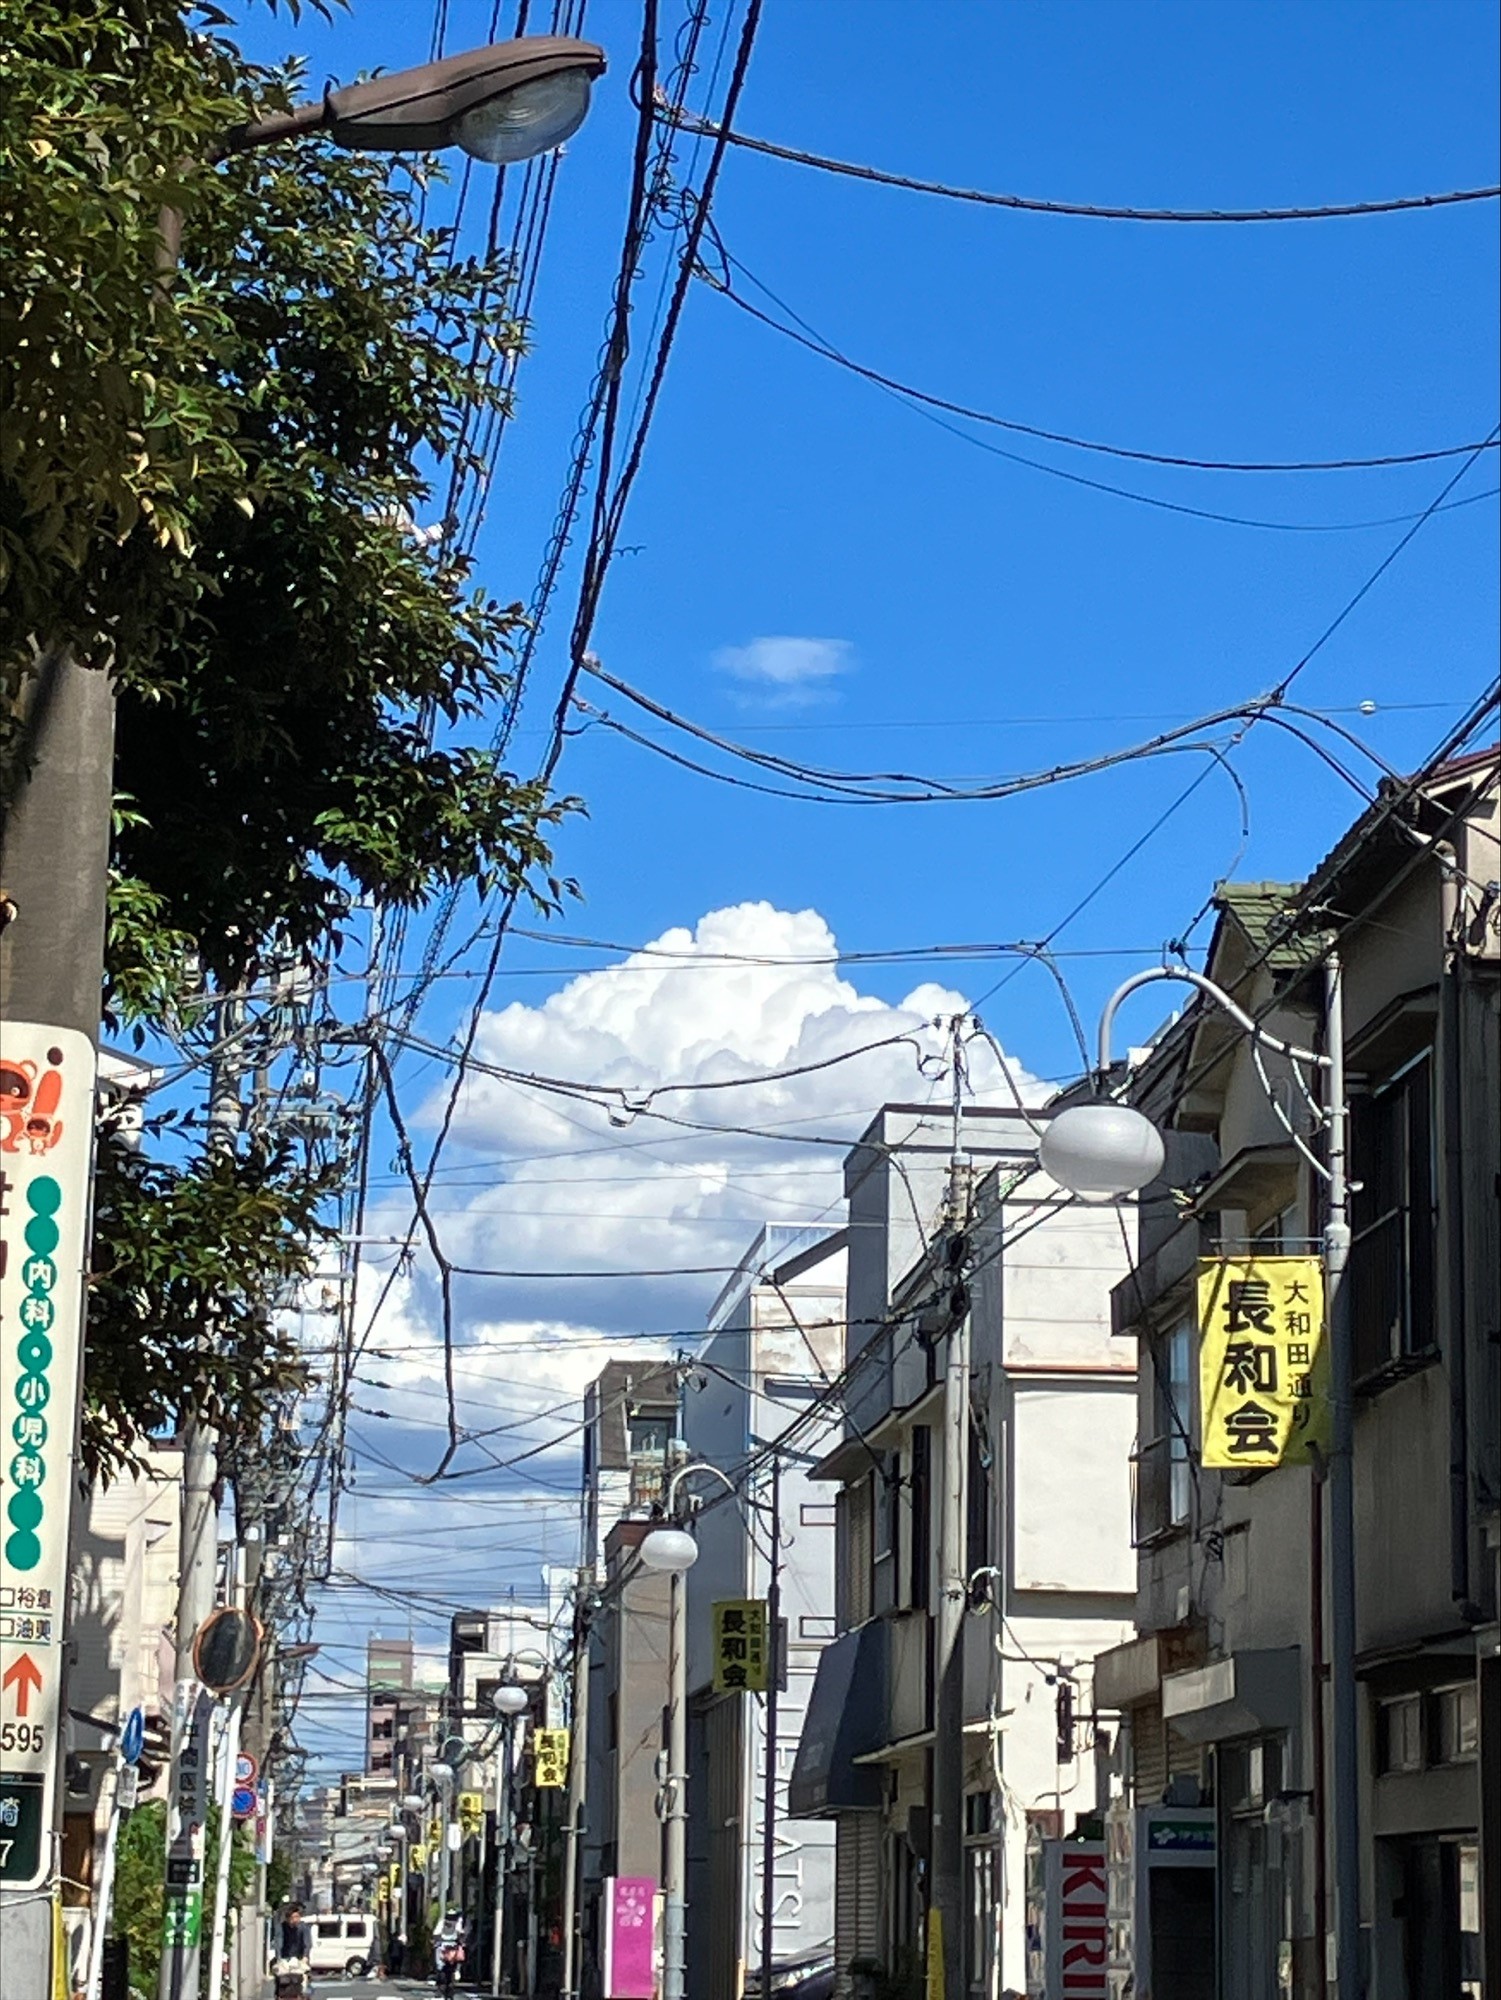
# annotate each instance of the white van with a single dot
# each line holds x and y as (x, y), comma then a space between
(343, 1941)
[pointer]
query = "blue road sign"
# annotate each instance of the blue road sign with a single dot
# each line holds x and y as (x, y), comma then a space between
(243, 1802)
(133, 1736)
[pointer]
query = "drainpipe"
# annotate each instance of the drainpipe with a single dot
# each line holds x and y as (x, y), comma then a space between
(1457, 1354)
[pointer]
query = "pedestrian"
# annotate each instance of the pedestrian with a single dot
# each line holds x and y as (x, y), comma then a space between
(296, 1938)
(396, 1956)
(449, 1951)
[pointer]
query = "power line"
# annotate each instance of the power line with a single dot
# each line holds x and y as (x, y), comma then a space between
(807, 338)
(1094, 211)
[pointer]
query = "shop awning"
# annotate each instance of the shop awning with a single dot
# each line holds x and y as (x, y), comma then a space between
(846, 1719)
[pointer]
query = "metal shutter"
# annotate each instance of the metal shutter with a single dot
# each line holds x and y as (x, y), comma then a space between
(857, 1895)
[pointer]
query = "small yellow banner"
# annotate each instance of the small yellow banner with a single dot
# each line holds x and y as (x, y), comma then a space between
(471, 1813)
(1263, 1361)
(549, 1758)
(934, 1982)
(419, 1856)
(742, 1655)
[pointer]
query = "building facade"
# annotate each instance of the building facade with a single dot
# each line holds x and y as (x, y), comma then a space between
(1037, 1575)
(1224, 1691)
(775, 1343)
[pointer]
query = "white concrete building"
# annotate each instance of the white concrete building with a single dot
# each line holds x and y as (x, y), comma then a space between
(776, 1341)
(1045, 1482)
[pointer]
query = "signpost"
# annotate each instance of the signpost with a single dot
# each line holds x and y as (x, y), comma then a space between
(46, 1144)
(742, 1651)
(549, 1759)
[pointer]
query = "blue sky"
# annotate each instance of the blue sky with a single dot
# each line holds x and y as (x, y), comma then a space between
(782, 497)
(985, 618)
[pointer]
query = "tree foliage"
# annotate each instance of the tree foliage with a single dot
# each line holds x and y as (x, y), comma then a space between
(140, 1866)
(209, 476)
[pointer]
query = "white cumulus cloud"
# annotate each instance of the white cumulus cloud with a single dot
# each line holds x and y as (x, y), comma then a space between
(785, 671)
(536, 1180)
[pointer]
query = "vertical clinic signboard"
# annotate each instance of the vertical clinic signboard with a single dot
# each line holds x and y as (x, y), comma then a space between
(630, 1937)
(46, 1152)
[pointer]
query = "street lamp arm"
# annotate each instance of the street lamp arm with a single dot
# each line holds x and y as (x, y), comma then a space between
(669, 1498)
(1247, 1022)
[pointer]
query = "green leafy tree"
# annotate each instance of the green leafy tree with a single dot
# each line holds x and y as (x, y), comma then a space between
(209, 476)
(140, 1866)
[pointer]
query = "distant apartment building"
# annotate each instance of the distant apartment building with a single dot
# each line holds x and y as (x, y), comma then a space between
(776, 1340)
(400, 1710)
(630, 1425)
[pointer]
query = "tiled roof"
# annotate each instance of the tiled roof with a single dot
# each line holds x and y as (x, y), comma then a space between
(1264, 910)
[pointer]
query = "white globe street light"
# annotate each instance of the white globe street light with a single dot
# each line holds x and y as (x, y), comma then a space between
(510, 1701)
(671, 1551)
(1101, 1151)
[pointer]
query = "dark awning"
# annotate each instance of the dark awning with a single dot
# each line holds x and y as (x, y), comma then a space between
(846, 1719)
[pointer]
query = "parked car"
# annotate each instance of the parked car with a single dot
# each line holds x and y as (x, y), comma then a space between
(343, 1941)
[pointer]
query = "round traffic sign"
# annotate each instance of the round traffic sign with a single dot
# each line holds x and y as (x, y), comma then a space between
(133, 1737)
(226, 1649)
(242, 1802)
(246, 1769)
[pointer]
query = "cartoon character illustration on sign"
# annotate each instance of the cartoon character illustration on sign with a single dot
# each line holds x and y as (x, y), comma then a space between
(28, 1105)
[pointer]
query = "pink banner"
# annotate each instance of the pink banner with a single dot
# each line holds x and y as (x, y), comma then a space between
(630, 1927)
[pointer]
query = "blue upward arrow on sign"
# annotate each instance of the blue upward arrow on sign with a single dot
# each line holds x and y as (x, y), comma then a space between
(133, 1736)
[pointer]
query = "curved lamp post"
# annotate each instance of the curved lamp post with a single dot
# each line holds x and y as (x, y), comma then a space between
(671, 1551)
(1106, 1149)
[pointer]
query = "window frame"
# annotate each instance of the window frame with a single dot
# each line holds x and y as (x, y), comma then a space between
(1393, 1263)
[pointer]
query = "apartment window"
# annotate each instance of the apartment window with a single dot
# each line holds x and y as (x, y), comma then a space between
(649, 1436)
(1392, 1251)
(920, 1498)
(1456, 1724)
(1164, 1471)
(977, 1506)
(1399, 1735)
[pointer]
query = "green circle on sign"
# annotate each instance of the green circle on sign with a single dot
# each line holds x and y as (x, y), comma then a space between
(41, 1235)
(34, 1352)
(29, 1429)
(25, 1511)
(45, 1195)
(23, 1550)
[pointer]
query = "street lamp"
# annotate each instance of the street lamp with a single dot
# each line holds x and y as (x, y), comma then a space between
(1095, 1148)
(501, 104)
(510, 1702)
(671, 1551)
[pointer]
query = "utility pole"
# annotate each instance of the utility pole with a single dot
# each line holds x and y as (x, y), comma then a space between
(1346, 1706)
(54, 860)
(243, 1561)
(773, 1688)
(578, 1779)
(945, 1952)
(182, 1910)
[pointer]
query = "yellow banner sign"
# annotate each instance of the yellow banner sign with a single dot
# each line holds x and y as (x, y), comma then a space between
(549, 1758)
(471, 1813)
(742, 1655)
(1263, 1361)
(419, 1856)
